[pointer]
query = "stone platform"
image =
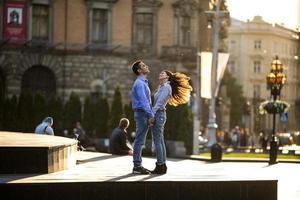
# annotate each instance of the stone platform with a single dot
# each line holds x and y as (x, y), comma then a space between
(24, 153)
(104, 176)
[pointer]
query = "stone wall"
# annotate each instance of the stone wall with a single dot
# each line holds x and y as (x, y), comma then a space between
(84, 72)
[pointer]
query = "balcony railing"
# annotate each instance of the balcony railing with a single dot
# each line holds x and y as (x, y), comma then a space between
(178, 52)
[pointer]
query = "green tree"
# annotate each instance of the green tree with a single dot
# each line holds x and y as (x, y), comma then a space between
(235, 93)
(116, 109)
(185, 127)
(55, 110)
(130, 116)
(179, 125)
(89, 119)
(102, 118)
(170, 126)
(2, 100)
(39, 108)
(72, 112)
(9, 113)
(25, 110)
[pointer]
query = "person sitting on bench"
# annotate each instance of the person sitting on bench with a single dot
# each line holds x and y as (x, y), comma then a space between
(119, 144)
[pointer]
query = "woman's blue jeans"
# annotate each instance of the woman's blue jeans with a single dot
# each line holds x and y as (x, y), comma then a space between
(141, 123)
(158, 137)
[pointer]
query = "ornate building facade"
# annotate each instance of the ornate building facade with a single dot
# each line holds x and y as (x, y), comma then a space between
(87, 46)
(252, 47)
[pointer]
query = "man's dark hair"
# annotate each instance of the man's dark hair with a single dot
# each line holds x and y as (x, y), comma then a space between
(136, 66)
(124, 122)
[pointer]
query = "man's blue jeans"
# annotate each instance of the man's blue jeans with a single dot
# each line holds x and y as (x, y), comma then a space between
(158, 137)
(141, 123)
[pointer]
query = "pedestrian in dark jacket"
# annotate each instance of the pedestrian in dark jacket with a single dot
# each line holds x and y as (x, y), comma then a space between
(79, 134)
(119, 144)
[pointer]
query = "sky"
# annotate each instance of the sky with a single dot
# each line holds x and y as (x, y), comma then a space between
(272, 11)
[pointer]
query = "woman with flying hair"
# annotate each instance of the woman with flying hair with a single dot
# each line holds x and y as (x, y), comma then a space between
(175, 90)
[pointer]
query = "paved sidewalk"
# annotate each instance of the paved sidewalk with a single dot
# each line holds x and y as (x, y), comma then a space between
(95, 167)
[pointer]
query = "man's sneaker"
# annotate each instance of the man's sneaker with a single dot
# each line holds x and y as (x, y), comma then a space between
(140, 170)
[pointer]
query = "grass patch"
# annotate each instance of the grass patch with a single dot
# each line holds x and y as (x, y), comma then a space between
(251, 155)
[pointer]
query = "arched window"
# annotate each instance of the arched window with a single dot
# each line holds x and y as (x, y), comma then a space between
(39, 78)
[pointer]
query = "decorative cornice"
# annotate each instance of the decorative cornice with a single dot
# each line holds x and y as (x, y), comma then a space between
(40, 1)
(186, 7)
(102, 1)
(147, 3)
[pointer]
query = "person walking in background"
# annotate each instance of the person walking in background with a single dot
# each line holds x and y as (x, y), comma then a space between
(235, 137)
(45, 127)
(118, 143)
(227, 138)
(243, 137)
(174, 89)
(143, 115)
(79, 134)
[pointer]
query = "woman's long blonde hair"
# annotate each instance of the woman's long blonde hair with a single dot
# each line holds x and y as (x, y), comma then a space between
(181, 88)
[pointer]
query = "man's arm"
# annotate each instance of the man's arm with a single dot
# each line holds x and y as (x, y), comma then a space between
(49, 131)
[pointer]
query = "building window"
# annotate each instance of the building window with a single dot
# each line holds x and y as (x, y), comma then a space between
(145, 25)
(186, 13)
(144, 30)
(257, 44)
(99, 23)
(100, 26)
(256, 66)
(231, 66)
(256, 91)
(232, 45)
(40, 22)
(184, 36)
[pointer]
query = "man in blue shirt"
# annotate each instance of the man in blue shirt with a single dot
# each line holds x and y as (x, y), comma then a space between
(143, 115)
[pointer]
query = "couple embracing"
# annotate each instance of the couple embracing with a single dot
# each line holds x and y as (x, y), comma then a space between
(174, 89)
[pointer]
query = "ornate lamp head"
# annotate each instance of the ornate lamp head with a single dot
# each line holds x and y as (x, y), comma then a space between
(280, 78)
(271, 78)
(276, 65)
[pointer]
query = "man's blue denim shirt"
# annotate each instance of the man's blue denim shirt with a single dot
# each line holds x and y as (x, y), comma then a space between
(141, 96)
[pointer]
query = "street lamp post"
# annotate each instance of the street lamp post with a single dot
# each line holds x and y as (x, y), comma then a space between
(216, 17)
(275, 80)
(197, 107)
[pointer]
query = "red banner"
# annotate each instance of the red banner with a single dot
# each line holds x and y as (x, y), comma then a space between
(14, 21)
